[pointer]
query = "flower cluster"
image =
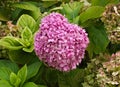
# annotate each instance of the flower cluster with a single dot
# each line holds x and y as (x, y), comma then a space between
(111, 19)
(109, 74)
(59, 44)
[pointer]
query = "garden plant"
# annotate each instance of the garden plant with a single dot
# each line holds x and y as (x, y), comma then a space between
(59, 43)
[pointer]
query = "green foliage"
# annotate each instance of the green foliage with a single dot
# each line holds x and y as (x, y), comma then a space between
(19, 78)
(91, 13)
(48, 4)
(6, 67)
(34, 10)
(27, 40)
(72, 11)
(10, 42)
(98, 40)
(21, 45)
(26, 21)
(23, 58)
(32, 70)
(4, 83)
(22, 74)
(26, 34)
(51, 73)
(30, 84)
(103, 2)
(15, 80)
(8, 64)
(5, 73)
(71, 79)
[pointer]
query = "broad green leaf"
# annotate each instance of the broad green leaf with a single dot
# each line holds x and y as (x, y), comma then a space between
(98, 40)
(71, 79)
(16, 13)
(103, 2)
(4, 83)
(26, 34)
(47, 75)
(8, 64)
(67, 9)
(34, 10)
(33, 69)
(22, 57)
(91, 13)
(47, 3)
(30, 84)
(23, 42)
(26, 6)
(90, 49)
(51, 73)
(10, 42)
(27, 21)
(29, 49)
(38, 23)
(5, 73)
(22, 74)
(71, 10)
(14, 80)
(56, 8)
(76, 7)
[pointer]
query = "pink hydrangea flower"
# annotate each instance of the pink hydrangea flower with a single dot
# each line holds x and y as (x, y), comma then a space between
(59, 44)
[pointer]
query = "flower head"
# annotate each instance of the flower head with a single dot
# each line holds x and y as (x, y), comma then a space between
(111, 20)
(59, 44)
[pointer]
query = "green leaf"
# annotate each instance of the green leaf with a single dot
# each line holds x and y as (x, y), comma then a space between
(34, 10)
(91, 13)
(76, 20)
(71, 10)
(8, 64)
(98, 39)
(103, 2)
(33, 70)
(66, 9)
(10, 42)
(30, 84)
(26, 21)
(22, 74)
(14, 79)
(47, 4)
(5, 73)
(29, 49)
(16, 13)
(26, 34)
(4, 83)
(22, 57)
(71, 79)
(26, 6)
(48, 73)
(23, 42)
(56, 8)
